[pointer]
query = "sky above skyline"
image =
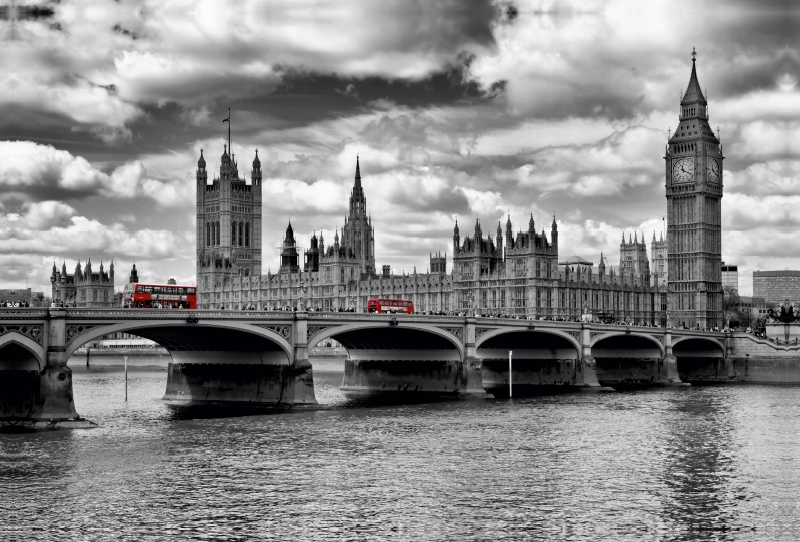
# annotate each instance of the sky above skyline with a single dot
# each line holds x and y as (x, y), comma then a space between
(458, 109)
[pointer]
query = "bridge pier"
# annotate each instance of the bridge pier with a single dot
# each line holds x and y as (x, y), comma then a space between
(392, 372)
(35, 382)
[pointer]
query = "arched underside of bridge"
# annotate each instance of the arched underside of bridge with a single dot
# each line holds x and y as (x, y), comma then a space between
(399, 359)
(223, 362)
(541, 362)
(628, 360)
(700, 360)
(26, 385)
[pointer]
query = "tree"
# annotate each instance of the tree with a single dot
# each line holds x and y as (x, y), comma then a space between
(732, 306)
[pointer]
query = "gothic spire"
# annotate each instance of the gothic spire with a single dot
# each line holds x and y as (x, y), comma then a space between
(693, 94)
(358, 173)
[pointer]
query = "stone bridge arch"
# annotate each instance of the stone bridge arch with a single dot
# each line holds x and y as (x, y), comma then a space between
(543, 360)
(700, 359)
(700, 346)
(317, 334)
(630, 345)
(30, 345)
(217, 360)
(178, 336)
(396, 357)
(630, 359)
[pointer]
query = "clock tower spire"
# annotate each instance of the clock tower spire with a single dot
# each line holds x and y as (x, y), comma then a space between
(694, 212)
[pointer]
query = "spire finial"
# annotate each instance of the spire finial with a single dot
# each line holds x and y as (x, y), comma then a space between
(694, 55)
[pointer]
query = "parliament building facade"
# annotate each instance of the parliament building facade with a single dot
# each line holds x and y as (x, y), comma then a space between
(510, 273)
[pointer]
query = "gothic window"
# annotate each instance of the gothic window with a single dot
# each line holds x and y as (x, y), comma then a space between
(519, 268)
(241, 228)
(233, 233)
(105, 295)
(208, 234)
(94, 295)
(217, 227)
(247, 235)
(519, 294)
(538, 269)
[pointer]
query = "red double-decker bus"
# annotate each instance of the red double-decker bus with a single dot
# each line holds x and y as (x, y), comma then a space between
(390, 305)
(158, 296)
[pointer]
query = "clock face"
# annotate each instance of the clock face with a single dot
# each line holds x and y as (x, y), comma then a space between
(713, 170)
(683, 170)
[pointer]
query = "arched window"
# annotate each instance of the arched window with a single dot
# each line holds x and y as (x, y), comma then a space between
(240, 234)
(247, 234)
(233, 233)
(94, 295)
(218, 232)
(208, 233)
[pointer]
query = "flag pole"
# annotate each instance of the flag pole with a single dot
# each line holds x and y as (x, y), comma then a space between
(126, 379)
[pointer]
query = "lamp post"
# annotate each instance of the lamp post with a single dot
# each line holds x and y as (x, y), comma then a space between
(509, 373)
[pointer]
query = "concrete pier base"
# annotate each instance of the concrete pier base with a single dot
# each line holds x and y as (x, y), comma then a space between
(261, 384)
(472, 370)
(36, 396)
(403, 376)
(632, 373)
(529, 376)
(704, 370)
(586, 376)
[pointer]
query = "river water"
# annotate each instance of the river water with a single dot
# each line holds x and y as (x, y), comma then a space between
(698, 463)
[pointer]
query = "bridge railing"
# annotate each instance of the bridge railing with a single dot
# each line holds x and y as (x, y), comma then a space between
(10, 312)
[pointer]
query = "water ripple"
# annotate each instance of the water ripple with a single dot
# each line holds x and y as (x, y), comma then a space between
(713, 463)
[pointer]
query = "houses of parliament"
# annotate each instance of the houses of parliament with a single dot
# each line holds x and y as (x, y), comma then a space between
(505, 273)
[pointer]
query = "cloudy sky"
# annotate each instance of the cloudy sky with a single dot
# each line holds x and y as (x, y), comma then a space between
(458, 108)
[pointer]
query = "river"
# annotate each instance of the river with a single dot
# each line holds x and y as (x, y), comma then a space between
(697, 463)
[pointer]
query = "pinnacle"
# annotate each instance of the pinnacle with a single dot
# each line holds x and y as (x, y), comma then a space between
(693, 92)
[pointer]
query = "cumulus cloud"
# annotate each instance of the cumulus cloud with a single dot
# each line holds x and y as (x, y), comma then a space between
(98, 63)
(31, 171)
(547, 108)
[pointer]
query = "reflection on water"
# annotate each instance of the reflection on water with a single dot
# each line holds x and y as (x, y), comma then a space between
(700, 463)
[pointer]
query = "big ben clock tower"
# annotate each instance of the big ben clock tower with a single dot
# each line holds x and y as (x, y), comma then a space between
(694, 210)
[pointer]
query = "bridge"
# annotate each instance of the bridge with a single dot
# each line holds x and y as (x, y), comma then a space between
(262, 357)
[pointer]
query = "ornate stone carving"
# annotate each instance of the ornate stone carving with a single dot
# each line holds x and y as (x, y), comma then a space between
(595, 334)
(283, 331)
(31, 331)
(576, 335)
(75, 330)
(313, 330)
(479, 332)
(455, 331)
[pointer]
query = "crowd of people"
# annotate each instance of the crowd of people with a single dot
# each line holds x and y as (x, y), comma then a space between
(14, 304)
